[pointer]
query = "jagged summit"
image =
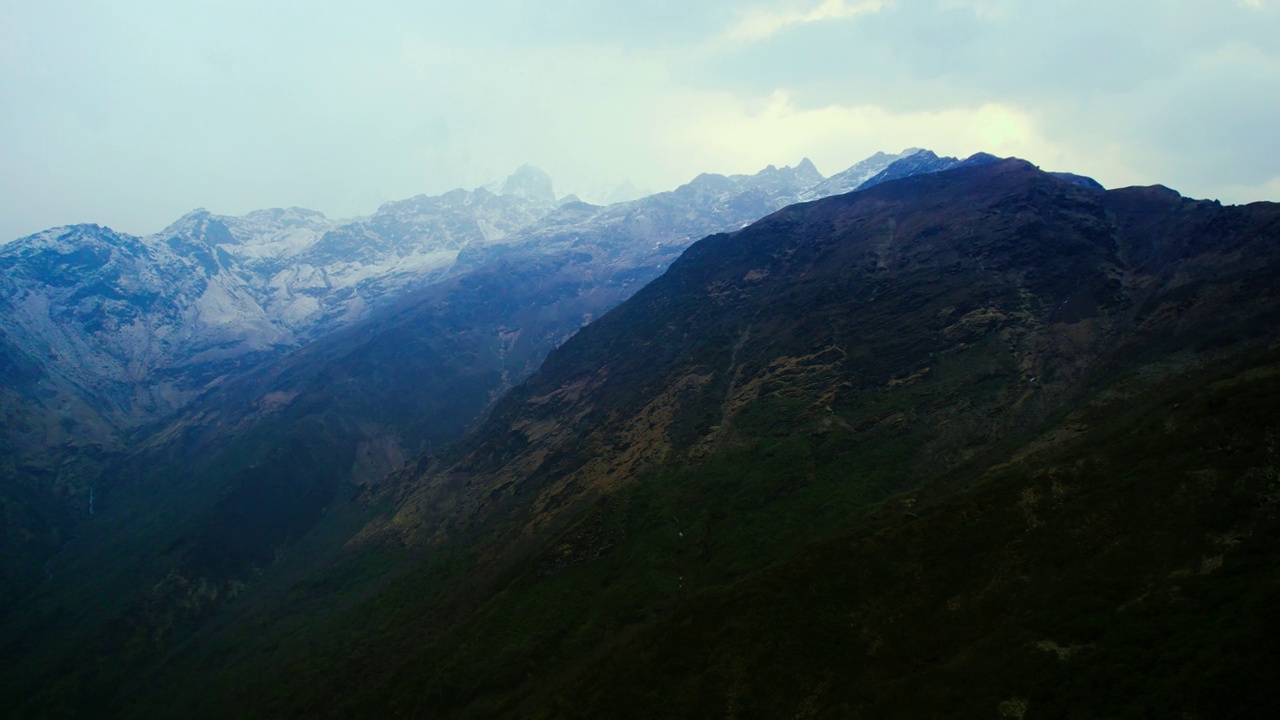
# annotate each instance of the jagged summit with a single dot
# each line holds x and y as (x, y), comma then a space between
(773, 178)
(807, 170)
(291, 274)
(624, 191)
(530, 183)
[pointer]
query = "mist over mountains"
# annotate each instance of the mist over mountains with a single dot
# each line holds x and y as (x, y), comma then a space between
(766, 445)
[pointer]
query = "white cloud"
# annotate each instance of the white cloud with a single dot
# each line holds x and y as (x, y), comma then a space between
(732, 134)
(131, 112)
(760, 23)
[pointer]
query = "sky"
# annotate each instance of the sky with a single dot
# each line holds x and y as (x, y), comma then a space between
(130, 113)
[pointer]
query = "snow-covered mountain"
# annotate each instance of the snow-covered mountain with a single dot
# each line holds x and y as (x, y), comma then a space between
(310, 273)
(107, 311)
(143, 323)
(636, 240)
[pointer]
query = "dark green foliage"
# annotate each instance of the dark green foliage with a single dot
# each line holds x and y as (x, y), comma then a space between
(1128, 572)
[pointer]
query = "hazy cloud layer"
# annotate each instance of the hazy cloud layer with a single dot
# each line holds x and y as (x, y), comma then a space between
(131, 113)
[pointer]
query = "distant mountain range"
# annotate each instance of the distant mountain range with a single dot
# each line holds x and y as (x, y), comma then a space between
(930, 437)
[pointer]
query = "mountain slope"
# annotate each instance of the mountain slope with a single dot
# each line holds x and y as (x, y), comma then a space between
(116, 336)
(214, 493)
(965, 443)
(830, 313)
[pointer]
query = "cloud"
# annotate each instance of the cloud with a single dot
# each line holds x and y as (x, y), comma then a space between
(760, 23)
(1240, 194)
(735, 134)
(1135, 92)
(131, 112)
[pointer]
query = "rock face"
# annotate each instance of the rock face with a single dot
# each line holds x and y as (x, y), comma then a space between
(108, 311)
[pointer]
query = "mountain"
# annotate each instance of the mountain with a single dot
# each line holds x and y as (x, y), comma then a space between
(980, 441)
(141, 325)
(961, 444)
(921, 162)
(107, 310)
(215, 297)
(422, 363)
(103, 335)
(853, 178)
(530, 183)
(50, 440)
(802, 301)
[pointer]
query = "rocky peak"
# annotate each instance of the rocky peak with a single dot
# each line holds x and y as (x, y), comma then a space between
(922, 162)
(530, 183)
(807, 174)
(785, 180)
(188, 222)
(851, 178)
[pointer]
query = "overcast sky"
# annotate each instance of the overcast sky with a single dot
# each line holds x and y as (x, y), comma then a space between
(129, 113)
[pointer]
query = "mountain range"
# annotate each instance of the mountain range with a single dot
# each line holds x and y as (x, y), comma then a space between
(116, 336)
(930, 438)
